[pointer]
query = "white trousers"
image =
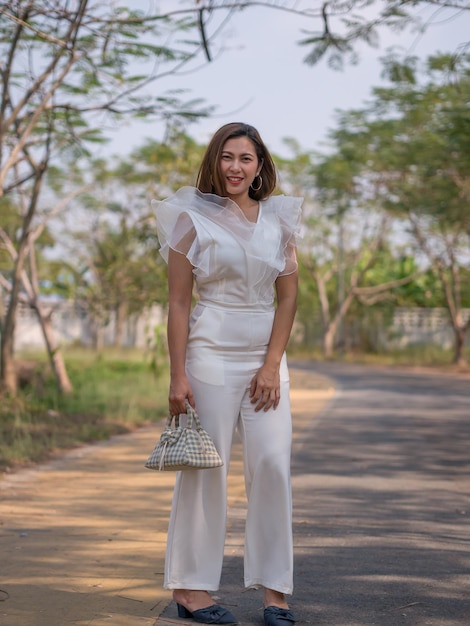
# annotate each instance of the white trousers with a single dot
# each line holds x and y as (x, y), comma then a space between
(196, 534)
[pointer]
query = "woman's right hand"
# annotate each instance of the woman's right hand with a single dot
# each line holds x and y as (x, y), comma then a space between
(180, 391)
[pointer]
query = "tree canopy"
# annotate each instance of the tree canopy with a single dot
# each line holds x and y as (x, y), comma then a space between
(410, 148)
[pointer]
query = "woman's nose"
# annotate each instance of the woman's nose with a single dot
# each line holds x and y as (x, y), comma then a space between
(235, 166)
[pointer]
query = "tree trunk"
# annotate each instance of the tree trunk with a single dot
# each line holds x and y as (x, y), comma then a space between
(8, 373)
(98, 334)
(2, 312)
(329, 336)
(121, 317)
(9, 381)
(8, 369)
(459, 356)
(55, 355)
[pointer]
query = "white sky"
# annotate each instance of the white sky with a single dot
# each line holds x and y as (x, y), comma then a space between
(261, 79)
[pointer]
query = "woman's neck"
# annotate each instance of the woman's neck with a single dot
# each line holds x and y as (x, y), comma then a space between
(248, 206)
(245, 203)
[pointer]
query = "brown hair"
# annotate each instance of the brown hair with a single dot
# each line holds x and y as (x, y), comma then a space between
(209, 179)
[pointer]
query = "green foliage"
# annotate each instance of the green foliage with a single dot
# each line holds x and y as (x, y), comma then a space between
(163, 167)
(157, 349)
(418, 139)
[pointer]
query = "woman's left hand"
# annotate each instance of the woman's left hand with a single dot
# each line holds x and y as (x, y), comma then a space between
(265, 388)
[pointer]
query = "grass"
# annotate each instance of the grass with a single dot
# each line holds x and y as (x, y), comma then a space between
(412, 356)
(114, 392)
(418, 356)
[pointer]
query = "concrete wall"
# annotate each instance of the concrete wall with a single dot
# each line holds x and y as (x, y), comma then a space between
(73, 325)
(415, 325)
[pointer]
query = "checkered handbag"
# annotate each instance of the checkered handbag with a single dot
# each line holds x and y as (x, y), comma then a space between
(184, 447)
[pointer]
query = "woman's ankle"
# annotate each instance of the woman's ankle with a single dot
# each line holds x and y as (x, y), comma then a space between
(192, 599)
(275, 598)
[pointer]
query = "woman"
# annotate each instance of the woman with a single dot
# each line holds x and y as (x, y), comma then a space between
(236, 244)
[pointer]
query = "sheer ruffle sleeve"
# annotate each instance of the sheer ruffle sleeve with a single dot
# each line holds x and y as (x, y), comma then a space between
(190, 222)
(288, 210)
(182, 225)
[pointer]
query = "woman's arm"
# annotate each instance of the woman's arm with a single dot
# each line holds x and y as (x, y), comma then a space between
(180, 287)
(265, 386)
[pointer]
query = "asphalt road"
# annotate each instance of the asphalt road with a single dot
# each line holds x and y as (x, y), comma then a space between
(382, 502)
(381, 505)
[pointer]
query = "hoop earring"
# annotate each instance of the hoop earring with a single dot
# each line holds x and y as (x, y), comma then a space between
(260, 183)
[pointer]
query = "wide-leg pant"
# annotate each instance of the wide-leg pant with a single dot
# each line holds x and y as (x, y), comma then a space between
(197, 526)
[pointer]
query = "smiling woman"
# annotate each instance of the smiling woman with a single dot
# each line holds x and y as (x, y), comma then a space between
(236, 244)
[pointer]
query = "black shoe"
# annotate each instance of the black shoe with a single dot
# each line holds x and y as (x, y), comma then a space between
(213, 614)
(275, 616)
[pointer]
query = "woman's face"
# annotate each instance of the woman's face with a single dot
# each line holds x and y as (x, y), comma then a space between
(239, 166)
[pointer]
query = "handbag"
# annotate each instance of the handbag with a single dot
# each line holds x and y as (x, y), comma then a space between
(184, 447)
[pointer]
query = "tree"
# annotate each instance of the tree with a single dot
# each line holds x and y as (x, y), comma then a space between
(119, 275)
(416, 156)
(65, 67)
(31, 293)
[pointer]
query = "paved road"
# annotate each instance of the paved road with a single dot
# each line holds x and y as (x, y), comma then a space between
(381, 505)
(382, 501)
(381, 515)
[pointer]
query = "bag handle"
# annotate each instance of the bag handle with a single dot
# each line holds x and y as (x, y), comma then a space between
(192, 416)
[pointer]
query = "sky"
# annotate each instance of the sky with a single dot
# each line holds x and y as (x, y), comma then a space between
(261, 78)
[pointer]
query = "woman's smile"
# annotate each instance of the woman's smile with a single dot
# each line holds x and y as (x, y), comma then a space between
(234, 181)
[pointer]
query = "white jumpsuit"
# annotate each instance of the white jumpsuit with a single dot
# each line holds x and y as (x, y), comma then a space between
(235, 265)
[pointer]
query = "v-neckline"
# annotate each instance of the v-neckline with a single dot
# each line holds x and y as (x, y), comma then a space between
(258, 216)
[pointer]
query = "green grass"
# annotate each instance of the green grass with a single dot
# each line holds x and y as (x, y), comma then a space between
(114, 392)
(413, 356)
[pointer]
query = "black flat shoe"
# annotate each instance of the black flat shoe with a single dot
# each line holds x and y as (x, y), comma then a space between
(275, 616)
(214, 614)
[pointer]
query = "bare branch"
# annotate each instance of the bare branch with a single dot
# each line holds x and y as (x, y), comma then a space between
(33, 121)
(29, 26)
(18, 182)
(7, 286)
(69, 42)
(7, 244)
(202, 30)
(226, 6)
(60, 206)
(376, 289)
